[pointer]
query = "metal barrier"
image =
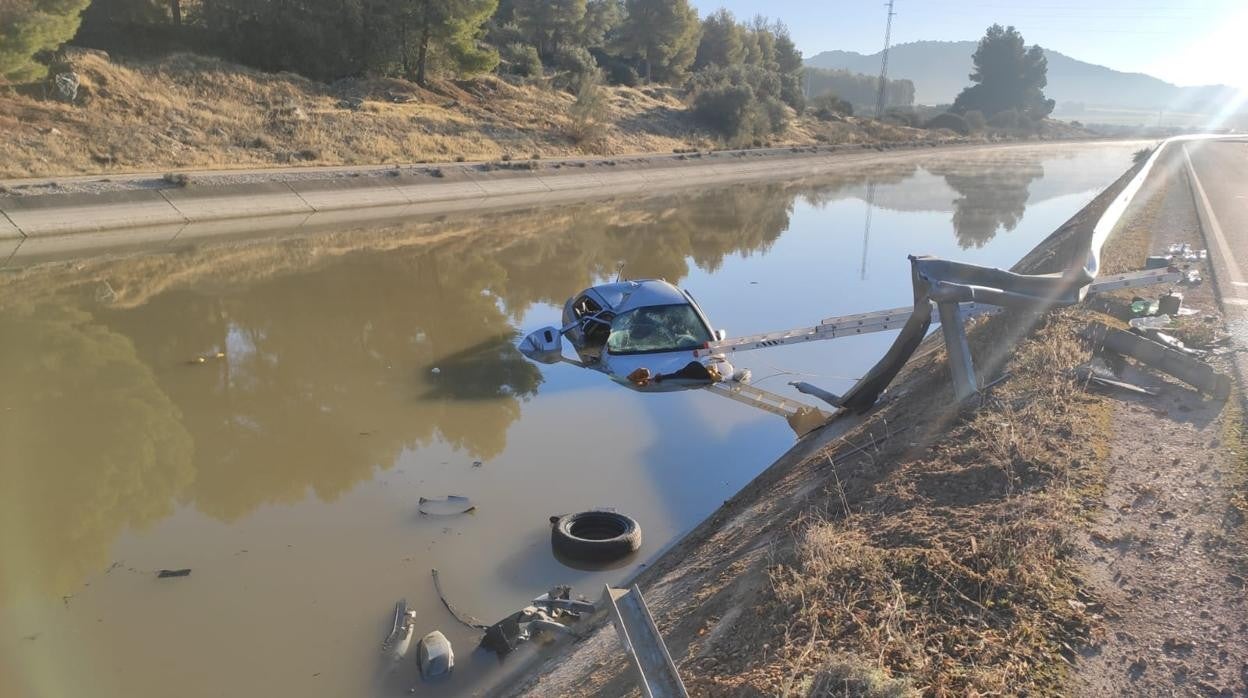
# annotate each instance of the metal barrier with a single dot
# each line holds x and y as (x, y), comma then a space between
(947, 284)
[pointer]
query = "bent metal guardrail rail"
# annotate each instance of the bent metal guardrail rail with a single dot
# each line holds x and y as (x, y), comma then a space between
(949, 284)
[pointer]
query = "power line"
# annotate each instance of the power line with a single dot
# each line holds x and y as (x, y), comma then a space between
(888, 35)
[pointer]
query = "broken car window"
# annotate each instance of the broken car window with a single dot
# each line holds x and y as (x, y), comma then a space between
(657, 328)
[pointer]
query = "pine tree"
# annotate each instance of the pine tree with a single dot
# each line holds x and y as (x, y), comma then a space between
(721, 43)
(1007, 76)
(445, 32)
(550, 24)
(30, 27)
(663, 35)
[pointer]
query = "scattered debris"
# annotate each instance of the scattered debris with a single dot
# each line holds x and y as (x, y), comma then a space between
(1185, 252)
(1170, 341)
(1150, 323)
(435, 655)
(1192, 278)
(461, 617)
(185, 572)
(1170, 303)
(352, 103)
(1098, 372)
(595, 536)
(476, 464)
(203, 358)
(399, 639)
(1141, 307)
(1175, 363)
(447, 506)
(549, 612)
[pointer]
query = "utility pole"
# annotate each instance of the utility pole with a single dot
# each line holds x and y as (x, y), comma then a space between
(866, 235)
(888, 35)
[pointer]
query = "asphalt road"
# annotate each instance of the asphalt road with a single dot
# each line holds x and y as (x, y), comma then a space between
(1218, 172)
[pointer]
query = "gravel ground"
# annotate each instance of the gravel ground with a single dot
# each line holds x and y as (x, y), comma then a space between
(1166, 554)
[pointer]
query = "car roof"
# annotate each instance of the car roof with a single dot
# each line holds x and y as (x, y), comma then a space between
(622, 296)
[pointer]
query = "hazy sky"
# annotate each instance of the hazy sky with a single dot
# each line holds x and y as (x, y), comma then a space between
(1186, 42)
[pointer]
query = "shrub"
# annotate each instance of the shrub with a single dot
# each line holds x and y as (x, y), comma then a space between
(828, 107)
(573, 63)
(1008, 119)
(950, 121)
(902, 117)
(521, 59)
(179, 179)
(975, 120)
(777, 114)
(729, 110)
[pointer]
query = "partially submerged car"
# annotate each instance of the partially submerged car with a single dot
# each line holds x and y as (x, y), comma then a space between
(641, 333)
(651, 336)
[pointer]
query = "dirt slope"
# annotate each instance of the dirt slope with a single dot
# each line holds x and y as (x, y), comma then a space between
(188, 111)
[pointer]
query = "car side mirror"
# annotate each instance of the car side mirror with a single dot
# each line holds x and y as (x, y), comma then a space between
(544, 346)
(721, 335)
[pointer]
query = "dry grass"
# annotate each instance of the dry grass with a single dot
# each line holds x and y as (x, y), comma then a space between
(188, 111)
(954, 573)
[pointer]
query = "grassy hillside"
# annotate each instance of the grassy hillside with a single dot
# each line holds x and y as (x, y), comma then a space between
(187, 111)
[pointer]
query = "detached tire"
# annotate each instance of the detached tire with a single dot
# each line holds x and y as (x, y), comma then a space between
(595, 536)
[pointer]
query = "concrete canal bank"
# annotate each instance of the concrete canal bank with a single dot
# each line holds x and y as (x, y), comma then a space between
(42, 217)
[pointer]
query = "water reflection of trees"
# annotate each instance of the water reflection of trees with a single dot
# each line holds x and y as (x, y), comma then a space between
(328, 371)
(90, 445)
(992, 197)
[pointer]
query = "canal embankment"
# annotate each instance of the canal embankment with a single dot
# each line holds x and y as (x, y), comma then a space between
(44, 216)
(1037, 539)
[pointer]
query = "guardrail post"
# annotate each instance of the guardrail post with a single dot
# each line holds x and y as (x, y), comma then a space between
(961, 368)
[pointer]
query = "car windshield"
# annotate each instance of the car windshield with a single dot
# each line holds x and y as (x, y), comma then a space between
(657, 328)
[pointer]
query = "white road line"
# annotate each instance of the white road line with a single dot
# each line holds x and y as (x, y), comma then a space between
(1241, 283)
(1234, 301)
(1215, 230)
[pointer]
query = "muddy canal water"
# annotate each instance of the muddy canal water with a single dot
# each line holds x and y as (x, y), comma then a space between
(346, 374)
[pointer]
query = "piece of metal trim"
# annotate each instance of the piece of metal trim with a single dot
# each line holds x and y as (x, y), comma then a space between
(656, 672)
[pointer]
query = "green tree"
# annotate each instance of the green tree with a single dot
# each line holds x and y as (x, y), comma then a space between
(550, 24)
(602, 17)
(722, 41)
(322, 39)
(30, 27)
(129, 26)
(445, 33)
(1007, 76)
(663, 35)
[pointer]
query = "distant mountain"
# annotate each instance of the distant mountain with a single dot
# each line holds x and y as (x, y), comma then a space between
(940, 69)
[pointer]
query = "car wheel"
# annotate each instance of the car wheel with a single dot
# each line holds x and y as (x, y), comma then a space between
(595, 536)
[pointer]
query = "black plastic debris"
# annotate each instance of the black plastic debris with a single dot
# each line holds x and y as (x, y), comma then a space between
(164, 574)
(549, 613)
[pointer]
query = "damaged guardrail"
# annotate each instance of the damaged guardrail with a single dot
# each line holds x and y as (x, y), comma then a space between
(948, 284)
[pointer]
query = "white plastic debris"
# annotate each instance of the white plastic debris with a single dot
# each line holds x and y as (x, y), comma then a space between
(435, 655)
(1150, 323)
